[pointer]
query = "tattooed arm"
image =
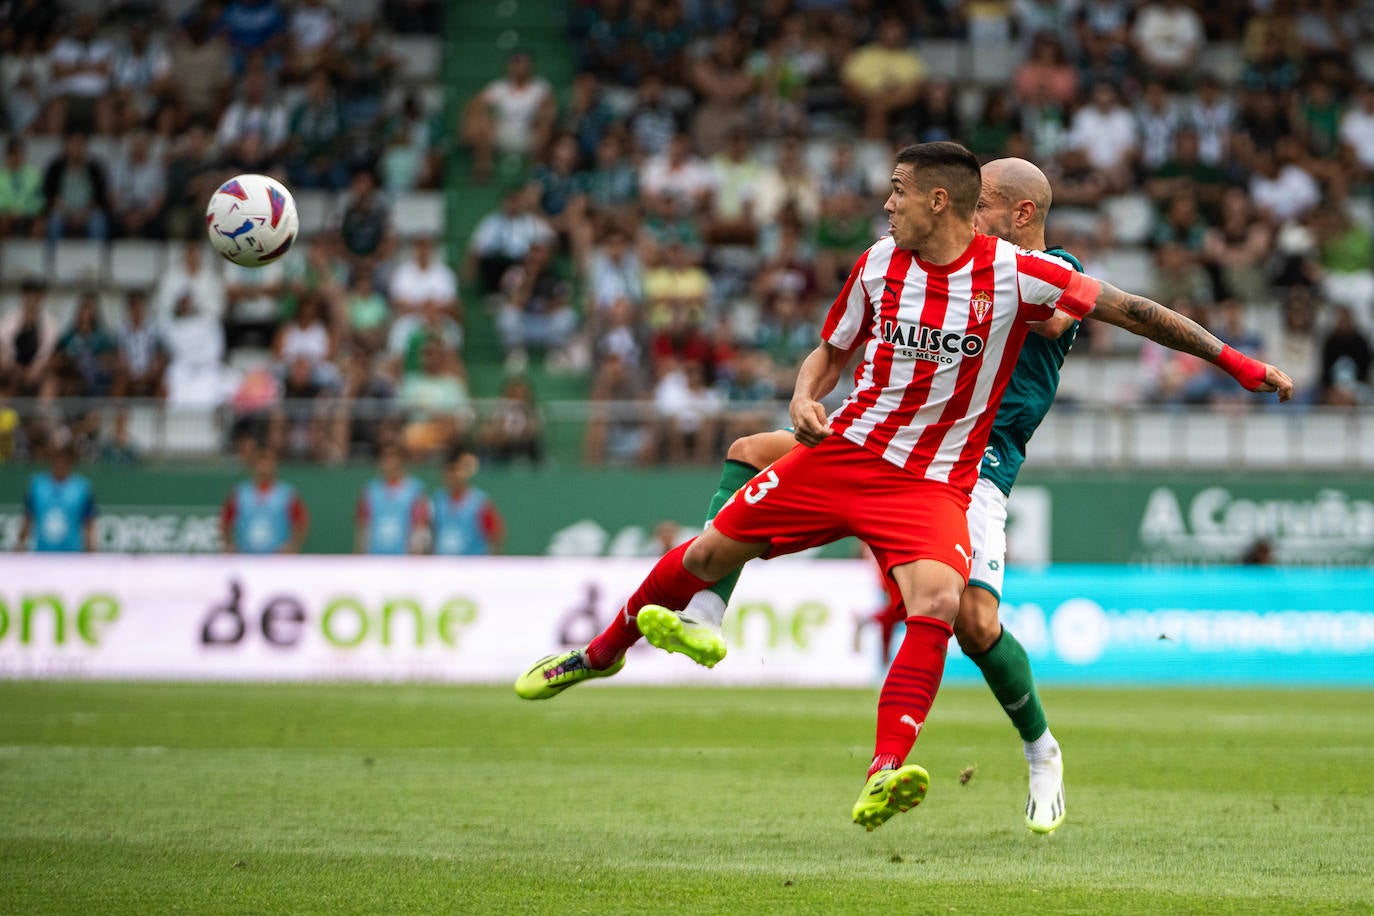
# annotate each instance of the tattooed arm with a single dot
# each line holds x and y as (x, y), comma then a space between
(1164, 326)
(1149, 319)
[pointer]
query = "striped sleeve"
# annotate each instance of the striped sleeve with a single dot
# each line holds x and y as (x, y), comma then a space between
(1045, 280)
(848, 318)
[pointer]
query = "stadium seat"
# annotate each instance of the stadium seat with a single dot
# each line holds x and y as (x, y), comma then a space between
(21, 259)
(61, 306)
(1364, 61)
(191, 431)
(313, 208)
(419, 57)
(1131, 216)
(994, 67)
(111, 310)
(79, 262)
(1131, 269)
(1361, 210)
(136, 263)
(419, 213)
(1073, 221)
(944, 58)
(42, 149)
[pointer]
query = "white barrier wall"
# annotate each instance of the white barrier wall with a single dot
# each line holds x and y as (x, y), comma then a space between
(377, 618)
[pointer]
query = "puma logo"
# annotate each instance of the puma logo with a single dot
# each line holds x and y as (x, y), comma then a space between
(968, 560)
(915, 726)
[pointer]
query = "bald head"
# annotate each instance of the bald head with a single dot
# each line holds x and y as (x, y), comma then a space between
(1015, 201)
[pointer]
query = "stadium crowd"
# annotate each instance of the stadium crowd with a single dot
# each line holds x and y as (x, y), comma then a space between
(674, 222)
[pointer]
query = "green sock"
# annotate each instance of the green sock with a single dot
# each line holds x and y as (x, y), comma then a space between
(1008, 672)
(733, 475)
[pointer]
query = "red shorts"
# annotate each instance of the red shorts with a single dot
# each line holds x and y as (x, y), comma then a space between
(812, 496)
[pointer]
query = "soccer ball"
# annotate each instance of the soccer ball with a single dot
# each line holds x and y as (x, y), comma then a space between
(252, 220)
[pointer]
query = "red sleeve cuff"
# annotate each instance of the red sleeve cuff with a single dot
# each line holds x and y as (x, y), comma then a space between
(1080, 296)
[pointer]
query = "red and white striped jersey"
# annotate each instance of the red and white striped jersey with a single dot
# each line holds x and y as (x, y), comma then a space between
(940, 343)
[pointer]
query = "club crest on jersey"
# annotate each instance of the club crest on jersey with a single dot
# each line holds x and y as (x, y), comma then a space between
(980, 304)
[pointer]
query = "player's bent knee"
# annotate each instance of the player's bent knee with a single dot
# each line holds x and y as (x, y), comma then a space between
(978, 626)
(713, 556)
(760, 449)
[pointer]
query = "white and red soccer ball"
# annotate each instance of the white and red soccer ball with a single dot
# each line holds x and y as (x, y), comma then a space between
(252, 220)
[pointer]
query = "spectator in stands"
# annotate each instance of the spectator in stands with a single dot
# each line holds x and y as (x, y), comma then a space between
(411, 332)
(512, 116)
(1347, 359)
(504, 237)
(264, 515)
(676, 285)
(201, 65)
(787, 188)
(1346, 256)
(59, 508)
(311, 33)
(788, 330)
(1280, 187)
(688, 412)
(436, 402)
(411, 159)
(613, 271)
(1236, 249)
(1159, 121)
(1179, 275)
(1168, 37)
(616, 331)
(81, 67)
(679, 175)
(513, 430)
(193, 173)
(75, 190)
(142, 75)
(1182, 224)
(254, 115)
(884, 76)
(309, 423)
(1106, 133)
(1327, 31)
(536, 314)
(563, 195)
(466, 522)
(141, 357)
(617, 431)
(140, 188)
(366, 313)
(393, 513)
(256, 30)
(253, 303)
(653, 121)
(1185, 172)
(737, 174)
(365, 224)
(1171, 377)
(364, 65)
(722, 82)
(316, 126)
(307, 339)
(84, 360)
(587, 116)
(21, 193)
(1296, 346)
(749, 388)
(1357, 132)
(28, 337)
(423, 279)
(413, 17)
(1047, 73)
(195, 349)
(191, 276)
(1212, 114)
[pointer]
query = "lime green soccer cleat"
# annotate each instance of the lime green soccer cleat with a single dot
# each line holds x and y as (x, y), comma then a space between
(552, 675)
(889, 792)
(673, 631)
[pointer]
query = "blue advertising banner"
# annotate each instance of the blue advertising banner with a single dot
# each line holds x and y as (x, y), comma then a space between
(1240, 625)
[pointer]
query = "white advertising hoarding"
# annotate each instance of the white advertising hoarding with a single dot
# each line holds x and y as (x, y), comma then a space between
(405, 618)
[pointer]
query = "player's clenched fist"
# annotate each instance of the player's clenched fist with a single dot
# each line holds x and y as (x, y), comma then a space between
(809, 421)
(1275, 379)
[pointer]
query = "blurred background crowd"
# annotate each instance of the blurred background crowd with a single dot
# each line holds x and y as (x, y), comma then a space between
(650, 214)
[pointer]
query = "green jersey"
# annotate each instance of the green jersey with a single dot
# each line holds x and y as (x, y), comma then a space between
(1028, 397)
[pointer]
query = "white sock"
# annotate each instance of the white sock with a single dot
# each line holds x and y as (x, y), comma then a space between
(1042, 748)
(707, 607)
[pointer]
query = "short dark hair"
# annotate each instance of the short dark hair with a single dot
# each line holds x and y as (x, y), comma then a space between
(947, 165)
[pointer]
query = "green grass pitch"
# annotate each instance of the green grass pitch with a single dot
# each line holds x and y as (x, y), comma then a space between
(152, 798)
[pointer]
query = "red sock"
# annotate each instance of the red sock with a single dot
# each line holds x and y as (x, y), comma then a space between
(668, 583)
(910, 688)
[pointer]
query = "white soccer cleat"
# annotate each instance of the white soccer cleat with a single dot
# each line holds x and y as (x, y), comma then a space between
(1045, 800)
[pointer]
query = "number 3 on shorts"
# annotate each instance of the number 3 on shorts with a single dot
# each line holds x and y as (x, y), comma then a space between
(753, 494)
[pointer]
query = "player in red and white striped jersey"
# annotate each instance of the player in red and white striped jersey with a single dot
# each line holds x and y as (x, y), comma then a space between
(939, 314)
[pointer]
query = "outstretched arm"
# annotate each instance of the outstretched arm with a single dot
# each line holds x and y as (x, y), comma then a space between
(1164, 326)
